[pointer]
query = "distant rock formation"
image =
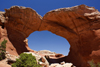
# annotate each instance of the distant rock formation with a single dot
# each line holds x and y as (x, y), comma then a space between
(80, 25)
(46, 52)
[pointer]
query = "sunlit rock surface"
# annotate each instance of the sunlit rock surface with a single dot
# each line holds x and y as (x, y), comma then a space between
(79, 25)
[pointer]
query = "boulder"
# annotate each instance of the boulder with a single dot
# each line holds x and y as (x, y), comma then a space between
(64, 65)
(54, 65)
(68, 65)
(41, 63)
(44, 62)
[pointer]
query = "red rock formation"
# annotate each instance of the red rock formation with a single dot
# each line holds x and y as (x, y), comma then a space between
(22, 22)
(79, 25)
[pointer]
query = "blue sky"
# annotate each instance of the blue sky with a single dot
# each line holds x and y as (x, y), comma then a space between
(45, 40)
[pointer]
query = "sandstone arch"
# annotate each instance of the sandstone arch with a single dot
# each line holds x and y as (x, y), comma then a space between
(79, 25)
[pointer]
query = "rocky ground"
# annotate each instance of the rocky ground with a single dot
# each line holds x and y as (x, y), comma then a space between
(39, 55)
(8, 60)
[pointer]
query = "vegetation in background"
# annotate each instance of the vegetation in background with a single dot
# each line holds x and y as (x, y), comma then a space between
(92, 64)
(98, 64)
(26, 60)
(3, 49)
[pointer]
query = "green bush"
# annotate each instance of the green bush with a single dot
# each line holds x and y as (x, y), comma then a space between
(98, 64)
(92, 64)
(26, 60)
(3, 49)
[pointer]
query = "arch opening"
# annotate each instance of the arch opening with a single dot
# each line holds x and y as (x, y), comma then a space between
(45, 40)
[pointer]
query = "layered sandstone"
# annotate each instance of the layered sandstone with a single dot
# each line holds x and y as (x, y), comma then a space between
(79, 25)
(21, 22)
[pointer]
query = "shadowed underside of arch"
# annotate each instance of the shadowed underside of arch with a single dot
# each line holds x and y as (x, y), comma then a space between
(79, 25)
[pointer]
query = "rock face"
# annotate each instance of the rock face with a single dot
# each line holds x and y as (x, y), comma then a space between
(79, 25)
(22, 22)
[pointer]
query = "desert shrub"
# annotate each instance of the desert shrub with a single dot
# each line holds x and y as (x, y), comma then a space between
(92, 64)
(3, 49)
(98, 64)
(26, 60)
